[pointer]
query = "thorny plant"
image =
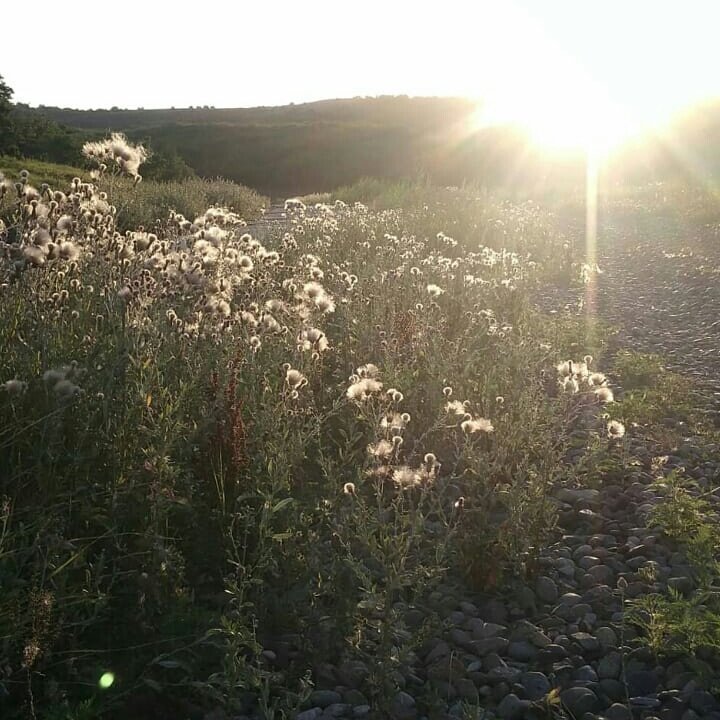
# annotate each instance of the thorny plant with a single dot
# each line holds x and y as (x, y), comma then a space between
(183, 457)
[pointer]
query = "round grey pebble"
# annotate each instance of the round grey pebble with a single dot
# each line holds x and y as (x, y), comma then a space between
(579, 700)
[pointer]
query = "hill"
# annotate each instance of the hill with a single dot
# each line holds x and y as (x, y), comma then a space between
(318, 146)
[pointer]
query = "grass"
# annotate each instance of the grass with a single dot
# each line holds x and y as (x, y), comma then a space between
(147, 203)
(59, 176)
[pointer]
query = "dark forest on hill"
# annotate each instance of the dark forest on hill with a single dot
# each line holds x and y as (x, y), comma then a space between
(318, 146)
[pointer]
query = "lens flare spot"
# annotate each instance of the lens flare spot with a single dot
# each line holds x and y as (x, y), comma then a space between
(106, 680)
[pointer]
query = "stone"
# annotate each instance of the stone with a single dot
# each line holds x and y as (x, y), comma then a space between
(536, 685)
(606, 636)
(610, 665)
(361, 711)
(323, 698)
(703, 703)
(403, 707)
(482, 630)
(354, 697)
(546, 590)
(588, 561)
(570, 599)
(525, 599)
(573, 497)
(522, 651)
(673, 708)
(336, 710)
(579, 700)
(494, 611)
(459, 637)
(613, 689)
(618, 712)
(602, 575)
(440, 650)
(586, 674)
(512, 707)
(642, 682)
(310, 714)
(525, 630)
(644, 703)
(551, 654)
(588, 643)
(503, 674)
(489, 645)
(682, 584)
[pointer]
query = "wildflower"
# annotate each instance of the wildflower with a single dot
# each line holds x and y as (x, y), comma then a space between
(500, 400)
(245, 263)
(64, 223)
(597, 379)
(434, 290)
(604, 394)
(14, 388)
(125, 293)
(447, 391)
(565, 368)
(381, 449)
(295, 379)
(34, 255)
(395, 421)
(349, 488)
(255, 343)
(405, 477)
(570, 384)
(313, 290)
(477, 425)
(294, 204)
(430, 460)
(325, 304)
(128, 157)
(66, 389)
(68, 250)
(456, 407)
(615, 430)
(53, 377)
(395, 395)
(313, 339)
(369, 370)
(362, 389)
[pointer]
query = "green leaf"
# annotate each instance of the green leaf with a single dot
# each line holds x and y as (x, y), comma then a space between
(282, 504)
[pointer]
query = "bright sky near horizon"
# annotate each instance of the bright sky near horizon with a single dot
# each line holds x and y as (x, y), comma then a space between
(637, 60)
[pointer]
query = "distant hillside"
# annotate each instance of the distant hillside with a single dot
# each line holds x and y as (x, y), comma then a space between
(384, 110)
(298, 149)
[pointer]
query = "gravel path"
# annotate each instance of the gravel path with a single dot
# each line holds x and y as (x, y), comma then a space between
(660, 285)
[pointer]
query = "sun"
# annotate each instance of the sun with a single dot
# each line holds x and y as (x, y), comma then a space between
(563, 114)
(569, 93)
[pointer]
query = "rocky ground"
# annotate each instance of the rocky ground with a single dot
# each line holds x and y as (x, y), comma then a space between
(660, 285)
(566, 630)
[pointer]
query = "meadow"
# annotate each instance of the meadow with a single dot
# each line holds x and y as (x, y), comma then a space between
(341, 466)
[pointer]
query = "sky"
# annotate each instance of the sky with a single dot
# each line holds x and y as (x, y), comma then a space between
(642, 58)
